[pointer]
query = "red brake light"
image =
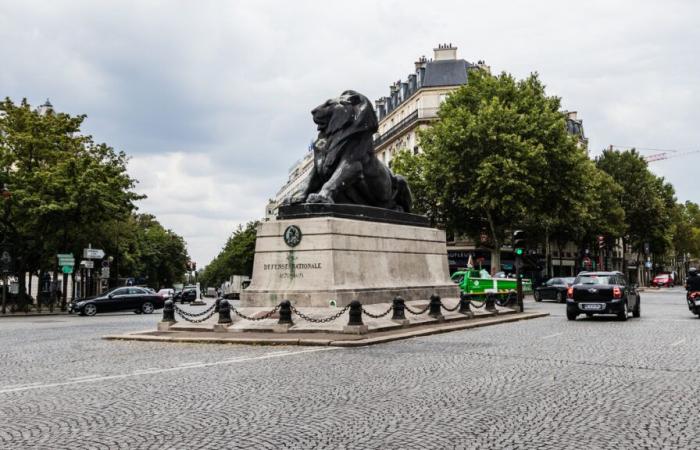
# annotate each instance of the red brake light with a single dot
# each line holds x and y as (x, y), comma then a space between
(570, 292)
(617, 293)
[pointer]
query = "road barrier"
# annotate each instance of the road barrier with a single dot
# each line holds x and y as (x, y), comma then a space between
(355, 311)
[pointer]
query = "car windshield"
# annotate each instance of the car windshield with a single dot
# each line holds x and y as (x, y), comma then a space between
(662, 277)
(594, 279)
(457, 278)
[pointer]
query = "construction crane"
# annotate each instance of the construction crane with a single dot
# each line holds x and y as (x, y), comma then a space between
(665, 155)
(660, 156)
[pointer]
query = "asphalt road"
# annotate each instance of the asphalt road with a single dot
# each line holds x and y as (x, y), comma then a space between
(544, 383)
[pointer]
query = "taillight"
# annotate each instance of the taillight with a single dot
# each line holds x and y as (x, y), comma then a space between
(617, 293)
(570, 292)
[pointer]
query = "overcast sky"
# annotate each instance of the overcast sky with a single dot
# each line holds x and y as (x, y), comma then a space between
(211, 98)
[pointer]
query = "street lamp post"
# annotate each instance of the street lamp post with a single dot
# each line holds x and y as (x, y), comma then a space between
(5, 258)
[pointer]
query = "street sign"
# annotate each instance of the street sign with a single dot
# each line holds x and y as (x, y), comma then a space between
(87, 264)
(93, 253)
(65, 259)
(67, 269)
(105, 272)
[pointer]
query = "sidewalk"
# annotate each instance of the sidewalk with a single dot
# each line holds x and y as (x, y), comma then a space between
(44, 312)
(266, 331)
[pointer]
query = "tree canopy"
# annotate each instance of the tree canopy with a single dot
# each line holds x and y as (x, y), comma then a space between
(236, 258)
(65, 191)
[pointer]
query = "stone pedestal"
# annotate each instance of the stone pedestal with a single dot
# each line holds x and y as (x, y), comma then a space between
(344, 259)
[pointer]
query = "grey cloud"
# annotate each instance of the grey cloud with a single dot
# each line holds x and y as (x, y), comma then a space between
(231, 84)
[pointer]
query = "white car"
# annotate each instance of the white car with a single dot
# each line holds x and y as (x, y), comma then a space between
(167, 293)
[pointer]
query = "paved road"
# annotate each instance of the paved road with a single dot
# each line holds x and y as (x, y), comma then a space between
(544, 383)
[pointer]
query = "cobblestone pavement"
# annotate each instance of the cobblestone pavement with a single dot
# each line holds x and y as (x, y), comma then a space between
(544, 383)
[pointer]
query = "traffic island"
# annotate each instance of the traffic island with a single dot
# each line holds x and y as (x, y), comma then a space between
(352, 326)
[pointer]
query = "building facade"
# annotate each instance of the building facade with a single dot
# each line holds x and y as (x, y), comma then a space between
(412, 104)
(297, 173)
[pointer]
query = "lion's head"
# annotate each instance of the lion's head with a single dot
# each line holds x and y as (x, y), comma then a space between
(348, 114)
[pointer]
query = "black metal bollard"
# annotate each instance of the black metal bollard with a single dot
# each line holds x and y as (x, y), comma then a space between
(435, 306)
(285, 313)
(224, 312)
(491, 303)
(464, 304)
(512, 299)
(399, 307)
(217, 303)
(169, 312)
(355, 315)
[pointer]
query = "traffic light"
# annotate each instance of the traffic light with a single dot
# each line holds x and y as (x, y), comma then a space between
(601, 241)
(519, 242)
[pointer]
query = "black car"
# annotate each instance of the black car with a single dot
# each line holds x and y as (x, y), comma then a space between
(602, 293)
(136, 299)
(554, 289)
(185, 295)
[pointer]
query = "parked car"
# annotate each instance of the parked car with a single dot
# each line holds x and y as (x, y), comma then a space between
(662, 279)
(602, 293)
(167, 293)
(185, 295)
(126, 298)
(554, 289)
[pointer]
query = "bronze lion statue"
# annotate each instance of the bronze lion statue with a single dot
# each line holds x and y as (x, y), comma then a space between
(345, 169)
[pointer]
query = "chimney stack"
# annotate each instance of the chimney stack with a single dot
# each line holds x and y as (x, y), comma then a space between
(445, 52)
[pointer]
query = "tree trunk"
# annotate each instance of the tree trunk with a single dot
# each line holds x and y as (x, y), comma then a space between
(548, 255)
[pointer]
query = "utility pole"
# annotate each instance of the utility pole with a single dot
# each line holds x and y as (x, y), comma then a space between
(519, 247)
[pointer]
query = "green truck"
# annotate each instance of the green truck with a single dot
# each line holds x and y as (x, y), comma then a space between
(474, 281)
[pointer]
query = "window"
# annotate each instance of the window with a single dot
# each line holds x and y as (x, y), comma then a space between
(121, 291)
(137, 291)
(595, 279)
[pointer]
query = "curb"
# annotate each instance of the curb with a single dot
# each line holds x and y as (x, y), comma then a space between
(419, 330)
(14, 316)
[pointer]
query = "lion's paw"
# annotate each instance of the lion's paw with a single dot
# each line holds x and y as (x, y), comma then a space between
(318, 198)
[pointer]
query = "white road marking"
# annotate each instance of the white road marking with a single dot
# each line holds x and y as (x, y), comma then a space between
(193, 363)
(678, 343)
(169, 369)
(552, 335)
(86, 377)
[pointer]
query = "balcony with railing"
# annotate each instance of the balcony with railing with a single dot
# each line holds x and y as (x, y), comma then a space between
(417, 115)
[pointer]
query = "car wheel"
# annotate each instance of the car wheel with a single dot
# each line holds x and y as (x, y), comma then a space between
(147, 308)
(571, 315)
(637, 311)
(560, 297)
(538, 296)
(90, 309)
(622, 315)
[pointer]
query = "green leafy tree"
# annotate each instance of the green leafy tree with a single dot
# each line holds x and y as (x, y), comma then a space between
(236, 258)
(64, 186)
(498, 158)
(647, 200)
